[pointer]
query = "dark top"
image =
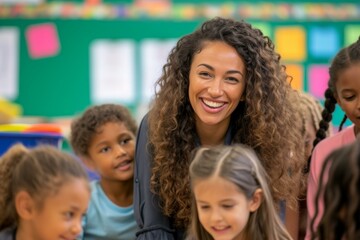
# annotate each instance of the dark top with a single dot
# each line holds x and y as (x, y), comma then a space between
(152, 222)
(8, 234)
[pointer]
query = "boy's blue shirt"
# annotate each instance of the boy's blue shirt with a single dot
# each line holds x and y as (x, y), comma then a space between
(105, 220)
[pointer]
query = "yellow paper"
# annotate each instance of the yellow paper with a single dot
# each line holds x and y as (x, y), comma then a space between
(297, 73)
(290, 42)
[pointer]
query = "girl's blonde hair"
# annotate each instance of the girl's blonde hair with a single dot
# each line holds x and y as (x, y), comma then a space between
(240, 165)
(40, 171)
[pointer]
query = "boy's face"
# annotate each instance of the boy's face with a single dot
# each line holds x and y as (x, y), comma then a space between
(111, 152)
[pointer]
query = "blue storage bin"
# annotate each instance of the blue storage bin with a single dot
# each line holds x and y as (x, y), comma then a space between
(7, 139)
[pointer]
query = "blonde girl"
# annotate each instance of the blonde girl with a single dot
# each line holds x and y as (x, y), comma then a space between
(231, 197)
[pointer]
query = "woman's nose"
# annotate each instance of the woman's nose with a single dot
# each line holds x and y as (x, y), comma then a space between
(215, 88)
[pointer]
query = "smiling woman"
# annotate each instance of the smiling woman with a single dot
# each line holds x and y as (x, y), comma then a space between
(222, 84)
(215, 89)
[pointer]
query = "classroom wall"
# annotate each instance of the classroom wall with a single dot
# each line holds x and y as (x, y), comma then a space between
(306, 34)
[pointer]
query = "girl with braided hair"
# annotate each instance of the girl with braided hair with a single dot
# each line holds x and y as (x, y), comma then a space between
(344, 89)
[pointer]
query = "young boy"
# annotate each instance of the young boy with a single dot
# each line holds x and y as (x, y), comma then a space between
(104, 138)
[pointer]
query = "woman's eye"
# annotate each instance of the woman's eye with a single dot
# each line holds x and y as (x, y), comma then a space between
(232, 79)
(204, 74)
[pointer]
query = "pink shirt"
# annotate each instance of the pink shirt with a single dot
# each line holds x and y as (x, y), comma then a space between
(321, 151)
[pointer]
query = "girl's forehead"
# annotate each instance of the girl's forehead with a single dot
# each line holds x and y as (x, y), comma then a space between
(215, 182)
(349, 77)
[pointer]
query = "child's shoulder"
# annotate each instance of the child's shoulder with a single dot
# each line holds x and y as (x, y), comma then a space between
(338, 139)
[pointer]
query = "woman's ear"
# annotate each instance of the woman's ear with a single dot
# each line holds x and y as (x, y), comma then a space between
(25, 205)
(256, 200)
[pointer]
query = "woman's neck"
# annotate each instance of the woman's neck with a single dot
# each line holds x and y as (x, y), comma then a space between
(212, 135)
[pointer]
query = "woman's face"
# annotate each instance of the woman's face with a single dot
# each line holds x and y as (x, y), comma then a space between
(217, 83)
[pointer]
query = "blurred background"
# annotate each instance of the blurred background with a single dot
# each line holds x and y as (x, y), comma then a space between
(59, 57)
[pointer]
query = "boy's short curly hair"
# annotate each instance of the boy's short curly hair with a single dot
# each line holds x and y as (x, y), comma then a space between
(84, 127)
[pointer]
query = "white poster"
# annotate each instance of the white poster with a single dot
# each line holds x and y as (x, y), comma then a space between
(112, 71)
(9, 61)
(154, 54)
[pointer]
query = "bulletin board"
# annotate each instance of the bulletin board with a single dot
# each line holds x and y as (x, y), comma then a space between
(59, 85)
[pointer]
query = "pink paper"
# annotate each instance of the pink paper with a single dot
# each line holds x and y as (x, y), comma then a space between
(318, 80)
(42, 40)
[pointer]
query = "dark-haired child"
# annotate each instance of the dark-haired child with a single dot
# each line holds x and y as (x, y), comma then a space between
(44, 194)
(344, 89)
(104, 138)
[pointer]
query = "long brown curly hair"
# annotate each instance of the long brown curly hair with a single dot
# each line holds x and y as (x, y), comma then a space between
(264, 121)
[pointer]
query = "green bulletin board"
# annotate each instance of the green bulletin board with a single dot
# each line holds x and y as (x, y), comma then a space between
(60, 85)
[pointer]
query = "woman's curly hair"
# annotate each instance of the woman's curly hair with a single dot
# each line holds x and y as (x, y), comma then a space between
(266, 120)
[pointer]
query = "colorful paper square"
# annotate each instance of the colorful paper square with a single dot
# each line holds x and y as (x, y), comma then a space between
(290, 42)
(42, 40)
(297, 73)
(318, 77)
(352, 33)
(324, 42)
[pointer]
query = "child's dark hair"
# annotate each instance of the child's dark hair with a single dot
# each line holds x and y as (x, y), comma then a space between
(345, 58)
(40, 171)
(341, 195)
(84, 127)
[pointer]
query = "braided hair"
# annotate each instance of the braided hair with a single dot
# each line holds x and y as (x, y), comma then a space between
(344, 59)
